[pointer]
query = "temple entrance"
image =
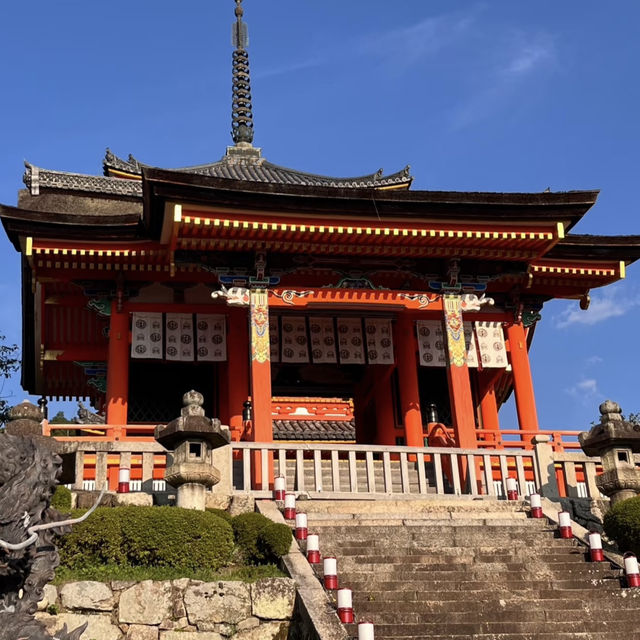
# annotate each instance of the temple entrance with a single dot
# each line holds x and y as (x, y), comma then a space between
(156, 388)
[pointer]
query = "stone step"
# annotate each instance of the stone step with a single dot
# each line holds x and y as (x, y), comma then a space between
(551, 635)
(462, 563)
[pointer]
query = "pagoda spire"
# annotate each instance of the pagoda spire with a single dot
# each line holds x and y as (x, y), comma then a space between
(241, 112)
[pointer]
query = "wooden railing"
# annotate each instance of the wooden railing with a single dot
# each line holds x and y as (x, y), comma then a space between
(335, 470)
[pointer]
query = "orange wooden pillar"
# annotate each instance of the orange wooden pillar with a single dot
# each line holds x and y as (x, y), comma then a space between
(260, 379)
(117, 396)
(406, 355)
(460, 397)
(237, 368)
(522, 381)
(385, 414)
(488, 404)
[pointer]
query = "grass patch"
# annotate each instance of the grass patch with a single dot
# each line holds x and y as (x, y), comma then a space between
(109, 572)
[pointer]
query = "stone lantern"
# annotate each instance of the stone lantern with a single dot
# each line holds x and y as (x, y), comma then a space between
(615, 440)
(193, 438)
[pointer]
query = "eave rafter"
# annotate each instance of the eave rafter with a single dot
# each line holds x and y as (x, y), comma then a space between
(206, 232)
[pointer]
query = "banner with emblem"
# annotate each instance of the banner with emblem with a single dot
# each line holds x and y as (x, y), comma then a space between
(323, 340)
(295, 348)
(430, 336)
(211, 337)
(493, 354)
(146, 335)
(274, 338)
(179, 337)
(379, 339)
(350, 341)
(470, 345)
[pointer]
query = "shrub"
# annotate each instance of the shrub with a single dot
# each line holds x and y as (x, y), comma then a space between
(221, 513)
(61, 499)
(622, 524)
(274, 541)
(246, 529)
(149, 536)
(259, 539)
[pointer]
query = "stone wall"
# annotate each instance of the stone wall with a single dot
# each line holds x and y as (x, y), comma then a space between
(172, 610)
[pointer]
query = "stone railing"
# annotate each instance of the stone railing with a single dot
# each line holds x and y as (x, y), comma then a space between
(172, 610)
(335, 470)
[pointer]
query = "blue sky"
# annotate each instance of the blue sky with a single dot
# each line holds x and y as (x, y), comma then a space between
(491, 96)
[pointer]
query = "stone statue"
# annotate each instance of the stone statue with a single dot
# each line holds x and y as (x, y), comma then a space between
(29, 471)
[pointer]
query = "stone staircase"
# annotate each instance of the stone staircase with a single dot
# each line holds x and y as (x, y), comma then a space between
(469, 569)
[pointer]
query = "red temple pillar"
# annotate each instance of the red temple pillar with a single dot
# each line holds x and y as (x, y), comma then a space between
(522, 381)
(117, 396)
(260, 377)
(237, 368)
(488, 403)
(460, 396)
(406, 353)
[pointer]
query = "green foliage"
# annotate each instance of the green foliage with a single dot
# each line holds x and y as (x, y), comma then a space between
(221, 513)
(149, 537)
(108, 572)
(60, 418)
(9, 364)
(622, 524)
(61, 499)
(274, 541)
(53, 610)
(259, 539)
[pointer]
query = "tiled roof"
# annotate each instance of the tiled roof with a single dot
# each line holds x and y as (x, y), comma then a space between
(332, 430)
(247, 164)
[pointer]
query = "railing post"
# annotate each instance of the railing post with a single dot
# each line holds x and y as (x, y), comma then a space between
(546, 466)
(79, 476)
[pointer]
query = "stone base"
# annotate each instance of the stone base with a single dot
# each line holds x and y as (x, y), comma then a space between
(136, 499)
(191, 496)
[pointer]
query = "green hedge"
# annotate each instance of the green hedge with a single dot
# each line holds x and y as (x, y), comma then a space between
(149, 536)
(260, 540)
(622, 524)
(61, 499)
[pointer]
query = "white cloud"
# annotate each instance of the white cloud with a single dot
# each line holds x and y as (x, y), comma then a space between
(604, 305)
(586, 388)
(593, 360)
(404, 46)
(289, 68)
(530, 54)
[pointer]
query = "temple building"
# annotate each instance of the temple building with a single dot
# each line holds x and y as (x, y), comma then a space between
(299, 305)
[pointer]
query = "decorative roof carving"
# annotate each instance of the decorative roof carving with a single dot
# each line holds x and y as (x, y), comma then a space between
(35, 179)
(244, 162)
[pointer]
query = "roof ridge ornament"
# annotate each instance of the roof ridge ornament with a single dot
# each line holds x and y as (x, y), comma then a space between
(241, 110)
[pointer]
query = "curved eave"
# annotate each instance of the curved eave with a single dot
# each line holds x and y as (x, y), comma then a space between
(161, 185)
(597, 248)
(48, 224)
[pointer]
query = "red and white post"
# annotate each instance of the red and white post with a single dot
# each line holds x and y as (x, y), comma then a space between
(512, 489)
(631, 570)
(301, 526)
(313, 548)
(124, 476)
(365, 631)
(289, 506)
(595, 547)
(536, 505)
(345, 606)
(279, 487)
(330, 571)
(564, 524)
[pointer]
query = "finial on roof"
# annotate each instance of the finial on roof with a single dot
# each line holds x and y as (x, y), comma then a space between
(241, 113)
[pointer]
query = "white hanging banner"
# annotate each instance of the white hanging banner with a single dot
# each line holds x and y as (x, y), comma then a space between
(146, 338)
(294, 339)
(323, 340)
(379, 340)
(470, 345)
(274, 338)
(493, 354)
(179, 337)
(211, 345)
(431, 343)
(350, 341)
